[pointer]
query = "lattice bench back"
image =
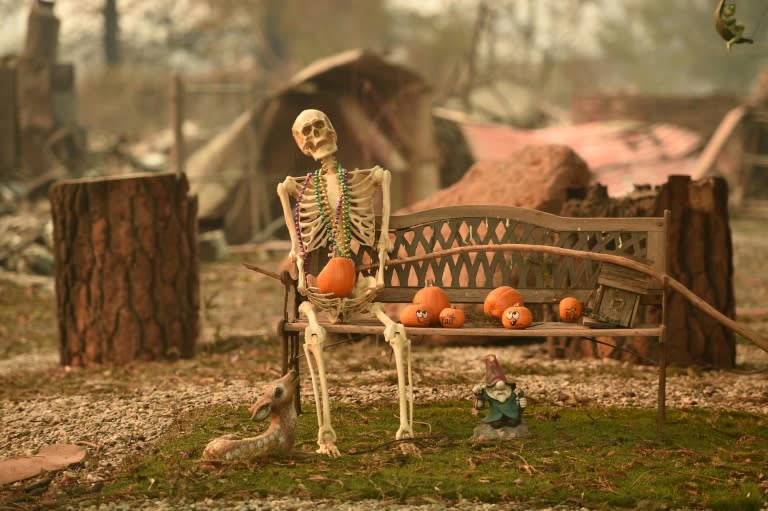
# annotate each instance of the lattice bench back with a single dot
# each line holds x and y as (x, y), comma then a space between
(541, 278)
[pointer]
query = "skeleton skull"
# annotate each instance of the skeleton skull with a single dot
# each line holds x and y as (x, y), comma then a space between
(314, 134)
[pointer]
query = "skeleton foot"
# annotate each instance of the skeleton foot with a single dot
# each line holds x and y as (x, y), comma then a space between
(406, 447)
(326, 440)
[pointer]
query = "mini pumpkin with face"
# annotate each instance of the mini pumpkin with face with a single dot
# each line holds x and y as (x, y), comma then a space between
(517, 317)
(415, 314)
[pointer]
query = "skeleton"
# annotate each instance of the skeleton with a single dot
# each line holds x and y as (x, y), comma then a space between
(315, 136)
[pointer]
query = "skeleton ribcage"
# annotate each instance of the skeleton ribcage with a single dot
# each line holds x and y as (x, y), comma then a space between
(362, 220)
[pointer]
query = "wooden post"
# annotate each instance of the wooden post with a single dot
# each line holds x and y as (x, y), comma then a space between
(36, 122)
(9, 121)
(42, 43)
(177, 124)
(127, 269)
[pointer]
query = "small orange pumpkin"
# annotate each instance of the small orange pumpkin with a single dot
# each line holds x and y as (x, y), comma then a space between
(517, 317)
(500, 299)
(452, 318)
(338, 277)
(415, 314)
(570, 309)
(432, 298)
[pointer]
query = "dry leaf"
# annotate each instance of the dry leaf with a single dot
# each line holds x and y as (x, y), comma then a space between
(50, 458)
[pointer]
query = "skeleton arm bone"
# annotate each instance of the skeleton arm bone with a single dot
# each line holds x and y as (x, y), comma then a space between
(384, 178)
(286, 189)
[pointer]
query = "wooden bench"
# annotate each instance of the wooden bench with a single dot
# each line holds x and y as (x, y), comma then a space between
(470, 250)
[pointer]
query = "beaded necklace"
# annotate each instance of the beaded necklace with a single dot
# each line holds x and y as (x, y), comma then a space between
(340, 231)
(297, 225)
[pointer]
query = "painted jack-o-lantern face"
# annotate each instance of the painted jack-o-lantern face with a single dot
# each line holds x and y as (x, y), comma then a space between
(415, 315)
(451, 318)
(422, 317)
(570, 309)
(517, 316)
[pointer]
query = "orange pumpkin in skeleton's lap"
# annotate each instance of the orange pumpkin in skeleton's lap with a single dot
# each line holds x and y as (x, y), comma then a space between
(452, 318)
(338, 277)
(517, 317)
(415, 314)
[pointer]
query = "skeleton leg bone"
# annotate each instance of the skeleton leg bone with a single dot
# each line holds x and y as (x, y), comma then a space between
(314, 339)
(394, 333)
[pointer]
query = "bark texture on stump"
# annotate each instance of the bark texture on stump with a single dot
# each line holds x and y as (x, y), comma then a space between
(127, 268)
(700, 256)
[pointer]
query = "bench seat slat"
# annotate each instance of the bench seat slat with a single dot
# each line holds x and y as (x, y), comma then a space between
(537, 329)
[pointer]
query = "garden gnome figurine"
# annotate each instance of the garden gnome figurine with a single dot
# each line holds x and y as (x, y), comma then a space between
(505, 415)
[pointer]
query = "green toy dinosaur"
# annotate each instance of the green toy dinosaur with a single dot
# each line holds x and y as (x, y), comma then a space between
(726, 25)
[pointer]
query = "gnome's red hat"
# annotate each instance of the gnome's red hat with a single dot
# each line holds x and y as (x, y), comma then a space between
(493, 372)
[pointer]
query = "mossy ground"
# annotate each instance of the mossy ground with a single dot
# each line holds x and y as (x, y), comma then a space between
(599, 458)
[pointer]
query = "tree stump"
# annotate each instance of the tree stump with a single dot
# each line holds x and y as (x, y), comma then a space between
(700, 257)
(127, 268)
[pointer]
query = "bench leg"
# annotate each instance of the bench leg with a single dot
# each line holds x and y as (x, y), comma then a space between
(662, 398)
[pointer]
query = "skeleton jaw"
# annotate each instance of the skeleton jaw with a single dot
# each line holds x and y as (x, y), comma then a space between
(322, 149)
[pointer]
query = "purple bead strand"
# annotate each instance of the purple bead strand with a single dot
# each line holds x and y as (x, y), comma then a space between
(297, 225)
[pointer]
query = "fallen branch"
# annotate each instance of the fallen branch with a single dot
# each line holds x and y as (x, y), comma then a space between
(263, 271)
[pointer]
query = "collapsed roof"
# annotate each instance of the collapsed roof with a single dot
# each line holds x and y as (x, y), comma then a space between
(380, 110)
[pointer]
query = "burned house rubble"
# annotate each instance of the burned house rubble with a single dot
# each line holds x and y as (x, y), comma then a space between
(40, 141)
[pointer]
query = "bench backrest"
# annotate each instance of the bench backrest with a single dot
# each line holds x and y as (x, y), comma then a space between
(541, 278)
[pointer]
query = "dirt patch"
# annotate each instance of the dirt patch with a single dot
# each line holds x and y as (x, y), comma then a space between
(535, 177)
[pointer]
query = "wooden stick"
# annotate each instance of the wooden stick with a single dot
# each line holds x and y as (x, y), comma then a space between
(262, 271)
(666, 280)
(176, 94)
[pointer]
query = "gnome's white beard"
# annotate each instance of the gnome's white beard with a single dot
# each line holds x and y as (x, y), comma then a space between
(499, 393)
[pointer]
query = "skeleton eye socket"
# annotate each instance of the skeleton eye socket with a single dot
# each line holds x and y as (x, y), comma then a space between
(306, 130)
(318, 124)
(278, 393)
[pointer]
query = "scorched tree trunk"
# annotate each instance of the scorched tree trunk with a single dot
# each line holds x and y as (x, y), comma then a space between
(127, 268)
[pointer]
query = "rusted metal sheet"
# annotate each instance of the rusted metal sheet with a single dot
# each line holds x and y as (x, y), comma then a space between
(619, 153)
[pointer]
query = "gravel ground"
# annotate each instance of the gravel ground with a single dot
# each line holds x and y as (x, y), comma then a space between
(118, 414)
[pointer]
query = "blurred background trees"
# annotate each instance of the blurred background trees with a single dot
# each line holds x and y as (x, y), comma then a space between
(554, 49)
